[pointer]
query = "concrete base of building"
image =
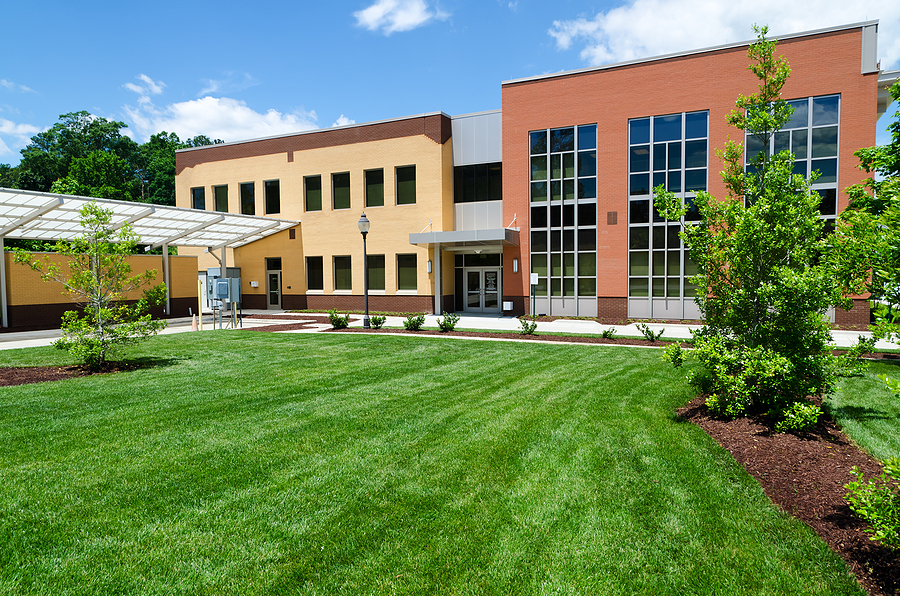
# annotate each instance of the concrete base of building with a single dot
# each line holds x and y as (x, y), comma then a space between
(34, 317)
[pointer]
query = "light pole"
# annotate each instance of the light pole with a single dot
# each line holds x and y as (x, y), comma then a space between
(363, 224)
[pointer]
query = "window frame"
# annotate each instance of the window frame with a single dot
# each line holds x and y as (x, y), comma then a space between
(306, 192)
(321, 271)
(269, 200)
(334, 193)
(368, 185)
(405, 268)
(349, 273)
(243, 199)
(216, 198)
(202, 200)
(398, 187)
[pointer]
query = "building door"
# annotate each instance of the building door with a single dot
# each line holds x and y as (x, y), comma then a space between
(273, 289)
(482, 290)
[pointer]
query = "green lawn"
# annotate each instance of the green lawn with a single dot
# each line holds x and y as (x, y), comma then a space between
(259, 463)
(868, 412)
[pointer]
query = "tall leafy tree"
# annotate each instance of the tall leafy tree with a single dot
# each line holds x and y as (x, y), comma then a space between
(763, 285)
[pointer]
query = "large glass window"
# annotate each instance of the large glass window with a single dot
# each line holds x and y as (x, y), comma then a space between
(198, 198)
(479, 182)
(673, 151)
(248, 198)
(221, 196)
(376, 272)
(563, 214)
(374, 188)
(406, 272)
(340, 190)
(273, 196)
(315, 274)
(312, 186)
(342, 273)
(406, 185)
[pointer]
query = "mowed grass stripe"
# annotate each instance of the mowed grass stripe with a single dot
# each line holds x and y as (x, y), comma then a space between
(259, 463)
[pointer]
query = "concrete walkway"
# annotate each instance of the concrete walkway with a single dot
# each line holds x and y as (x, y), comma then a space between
(26, 339)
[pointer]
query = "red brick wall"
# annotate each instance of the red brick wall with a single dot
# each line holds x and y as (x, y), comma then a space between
(821, 64)
(859, 314)
(612, 309)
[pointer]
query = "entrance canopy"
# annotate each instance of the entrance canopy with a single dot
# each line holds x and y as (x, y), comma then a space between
(46, 216)
(463, 240)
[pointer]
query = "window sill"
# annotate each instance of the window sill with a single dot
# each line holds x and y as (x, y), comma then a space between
(343, 292)
(376, 292)
(315, 292)
(407, 292)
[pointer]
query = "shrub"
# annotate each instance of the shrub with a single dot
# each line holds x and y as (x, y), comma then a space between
(338, 321)
(528, 328)
(448, 321)
(609, 333)
(414, 322)
(648, 333)
(674, 355)
(798, 417)
(878, 502)
(377, 321)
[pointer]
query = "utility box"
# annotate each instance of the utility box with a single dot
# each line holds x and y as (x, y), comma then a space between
(222, 292)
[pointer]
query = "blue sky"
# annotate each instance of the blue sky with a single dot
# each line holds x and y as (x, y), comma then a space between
(238, 70)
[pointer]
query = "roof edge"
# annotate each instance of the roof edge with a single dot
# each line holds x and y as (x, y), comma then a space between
(727, 46)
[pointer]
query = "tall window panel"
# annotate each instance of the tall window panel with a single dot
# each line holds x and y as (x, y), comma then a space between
(406, 272)
(273, 196)
(672, 151)
(563, 211)
(221, 197)
(248, 198)
(340, 190)
(374, 188)
(812, 135)
(315, 274)
(376, 271)
(342, 273)
(198, 198)
(312, 187)
(406, 185)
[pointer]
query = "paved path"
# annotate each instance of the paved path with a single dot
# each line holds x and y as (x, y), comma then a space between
(27, 339)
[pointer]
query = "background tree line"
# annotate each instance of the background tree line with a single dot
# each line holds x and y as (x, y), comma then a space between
(87, 155)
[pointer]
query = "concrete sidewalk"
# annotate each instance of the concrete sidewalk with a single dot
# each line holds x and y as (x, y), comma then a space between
(26, 339)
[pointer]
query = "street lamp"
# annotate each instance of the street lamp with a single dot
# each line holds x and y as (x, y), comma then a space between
(363, 224)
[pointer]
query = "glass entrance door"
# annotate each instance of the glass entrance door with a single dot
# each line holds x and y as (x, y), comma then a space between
(273, 289)
(483, 290)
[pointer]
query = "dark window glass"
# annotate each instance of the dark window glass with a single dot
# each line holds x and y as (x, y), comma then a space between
(562, 139)
(824, 141)
(798, 143)
(538, 241)
(640, 212)
(667, 128)
(587, 188)
(538, 191)
(248, 198)
(569, 190)
(587, 214)
(555, 216)
(481, 182)
(495, 182)
(659, 237)
(376, 272)
(406, 185)
(342, 273)
(568, 216)
(674, 181)
(674, 161)
(539, 167)
(781, 142)
(340, 190)
(828, 206)
(587, 137)
(483, 260)
(825, 110)
(695, 125)
(406, 272)
(539, 217)
(314, 274)
(639, 131)
(827, 170)
(695, 180)
(695, 154)
(640, 184)
(754, 146)
(198, 198)
(659, 156)
(313, 187)
(568, 165)
(273, 196)
(799, 168)
(640, 159)
(659, 178)
(375, 189)
(569, 241)
(538, 141)
(221, 194)
(555, 241)
(273, 263)
(674, 238)
(468, 184)
(693, 212)
(587, 163)
(640, 238)
(587, 239)
(800, 117)
(555, 190)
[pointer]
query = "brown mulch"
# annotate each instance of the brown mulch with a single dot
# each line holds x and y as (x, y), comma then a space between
(805, 476)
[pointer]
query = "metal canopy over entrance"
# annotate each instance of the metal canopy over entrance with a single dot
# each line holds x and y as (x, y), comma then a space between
(46, 216)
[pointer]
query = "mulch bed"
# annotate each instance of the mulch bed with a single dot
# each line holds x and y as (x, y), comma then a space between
(805, 476)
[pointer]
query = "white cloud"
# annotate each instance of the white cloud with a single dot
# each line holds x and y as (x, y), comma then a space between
(390, 16)
(343, 121)
(217, 118)
(231, 83)
(15, 86)
(148, 88)
(18, 135)
(643, 28)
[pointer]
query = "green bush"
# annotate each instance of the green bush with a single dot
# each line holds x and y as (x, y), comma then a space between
(338, 321)
(878, 502)
(414, 322)
(448, 321)
(798, 417)
(648, 333)
(674, 355)
(377, 321)
(608, 333)
(528, 328)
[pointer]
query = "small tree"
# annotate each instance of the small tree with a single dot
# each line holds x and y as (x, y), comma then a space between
(98, 279)
(762, 285)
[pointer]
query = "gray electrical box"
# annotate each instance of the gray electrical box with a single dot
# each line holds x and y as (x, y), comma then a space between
(222, 292)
